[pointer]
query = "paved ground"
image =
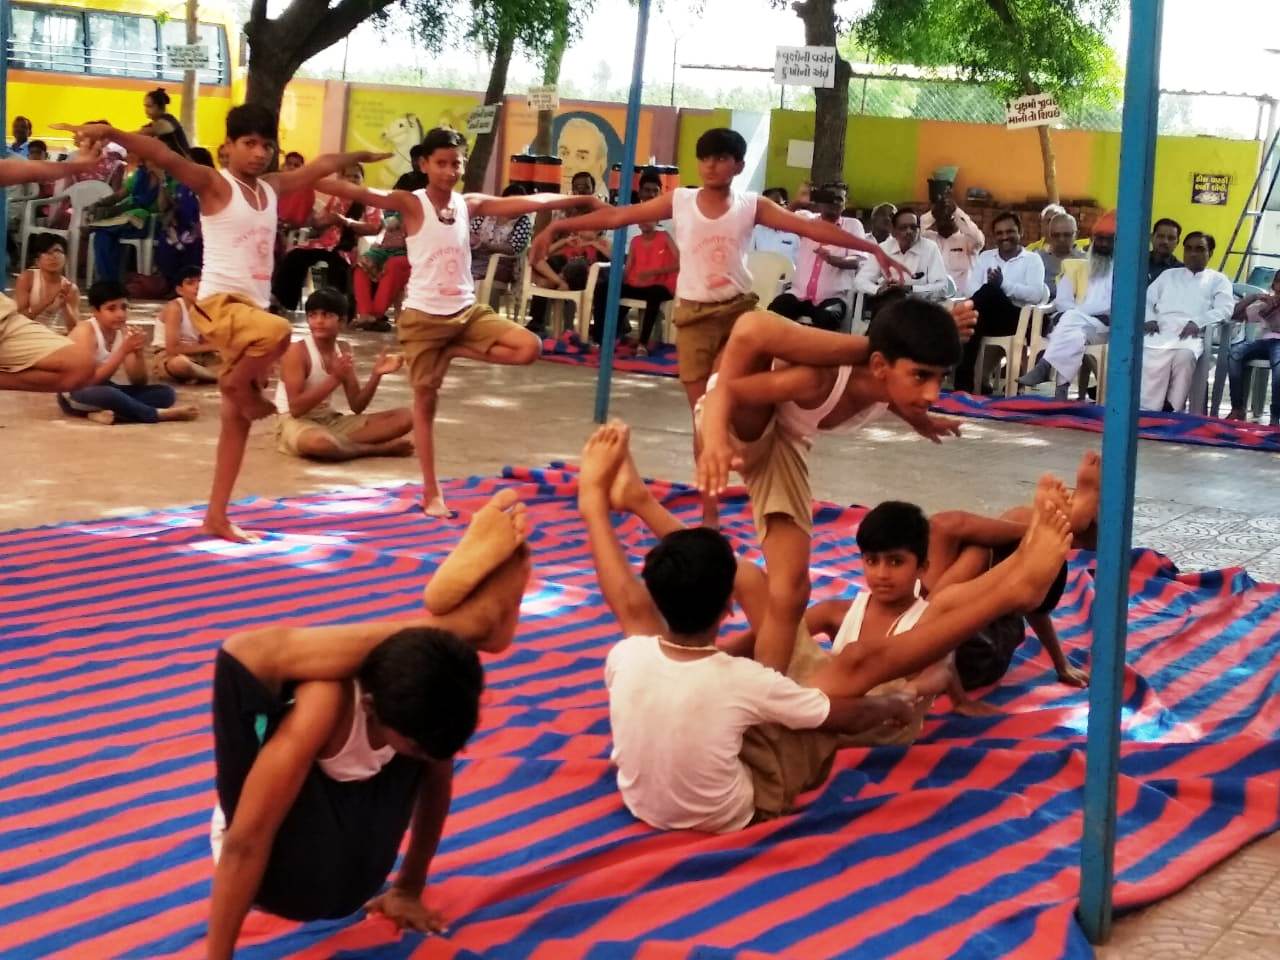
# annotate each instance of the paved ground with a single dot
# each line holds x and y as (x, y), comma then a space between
(1204, 507)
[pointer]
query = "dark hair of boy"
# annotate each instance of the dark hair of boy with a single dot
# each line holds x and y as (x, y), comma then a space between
(201, 156)
(895, 525)
(425, 685)
(584, 175)
(721, 142)
(917, 330)
(251, 119)
(44, 242)
(1007, 215)
(37, 145)
(188, 273)
(104, 291)
(779, 195)
(416, 153)
(689, 575)
(1201, 235)
(442, 138)
(1167, 222)
(327, 300)
(651, 176)
(294, 153)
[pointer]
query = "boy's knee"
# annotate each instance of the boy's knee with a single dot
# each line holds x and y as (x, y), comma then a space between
(316, 443)
(530, 349)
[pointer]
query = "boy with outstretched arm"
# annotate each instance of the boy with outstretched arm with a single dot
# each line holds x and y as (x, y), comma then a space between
(712, 225)
(238, 222)
(441, 317)
(331, 741)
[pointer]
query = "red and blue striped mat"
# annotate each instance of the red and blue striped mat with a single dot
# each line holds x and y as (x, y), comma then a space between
(965, 845)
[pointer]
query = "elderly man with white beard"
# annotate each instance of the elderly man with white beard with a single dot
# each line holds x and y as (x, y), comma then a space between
(1084, 304)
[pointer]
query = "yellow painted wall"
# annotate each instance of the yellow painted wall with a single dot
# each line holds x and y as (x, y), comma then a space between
(693, 124)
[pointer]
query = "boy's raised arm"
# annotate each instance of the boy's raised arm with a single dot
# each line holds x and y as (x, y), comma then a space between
(14, 170)
(606, 218)
(483, 205)
(305, 176)
(769, 214)
(400, 201)
(199, 178)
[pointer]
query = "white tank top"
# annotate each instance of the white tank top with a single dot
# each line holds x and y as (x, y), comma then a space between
(239, 246)
(440, 260)
(315, 375)
(803, 424)
(851, 627)
(186, 329)
(49, 316)
(357, 760)
(713, 253)
(103, 350)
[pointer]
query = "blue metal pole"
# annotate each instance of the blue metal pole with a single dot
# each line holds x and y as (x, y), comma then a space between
(609, 334)
(4, 140)
(1119, 462)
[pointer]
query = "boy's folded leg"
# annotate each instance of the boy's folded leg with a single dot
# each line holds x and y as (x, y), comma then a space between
(239, 329)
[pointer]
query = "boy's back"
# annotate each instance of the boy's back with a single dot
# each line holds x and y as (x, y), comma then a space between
(678, 716)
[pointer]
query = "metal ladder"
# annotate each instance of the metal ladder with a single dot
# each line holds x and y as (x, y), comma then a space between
(1269, 162)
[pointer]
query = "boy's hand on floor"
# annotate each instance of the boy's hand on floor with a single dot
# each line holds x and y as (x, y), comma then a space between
(935, 428)
(1073, 676)
(407, 911)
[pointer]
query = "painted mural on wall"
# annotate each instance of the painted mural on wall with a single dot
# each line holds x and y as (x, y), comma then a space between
(393, 121)
(587, 137)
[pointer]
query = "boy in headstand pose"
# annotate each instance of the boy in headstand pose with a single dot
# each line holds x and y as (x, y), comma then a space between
(712, 226)
(238, 222)
(313, 370)
(680, 708)
(331, 741)
(33, 357)
(441, 318)
(778, 386)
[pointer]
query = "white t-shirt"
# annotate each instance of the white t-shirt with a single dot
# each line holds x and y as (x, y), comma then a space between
(713, 253)
(678, 726)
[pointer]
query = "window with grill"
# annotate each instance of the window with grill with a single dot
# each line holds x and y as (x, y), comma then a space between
(174, 33)
(122, 45)
(46, 39)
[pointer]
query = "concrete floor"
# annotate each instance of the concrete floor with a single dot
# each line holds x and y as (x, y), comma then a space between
(1205, 507)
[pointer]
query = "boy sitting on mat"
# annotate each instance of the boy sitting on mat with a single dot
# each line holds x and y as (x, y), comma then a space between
(312, 372)
(680, 708)
(330, 741)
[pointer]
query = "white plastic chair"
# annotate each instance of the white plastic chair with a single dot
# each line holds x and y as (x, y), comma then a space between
(485, 288)
(769, 271)
(144, 249)
(80, 196)
(529, 290)
(1013, 347)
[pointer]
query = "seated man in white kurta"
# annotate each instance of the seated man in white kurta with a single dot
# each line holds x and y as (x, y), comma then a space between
(1083, 303)
(1181, 304)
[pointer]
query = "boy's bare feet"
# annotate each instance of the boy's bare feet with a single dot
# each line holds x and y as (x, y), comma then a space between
(493, 535)
(397, 448)
(250, 401)
(628, 493)
(1084, 502)
(104, 417)
(184, 412)
(434, 505)
(224, 529)
(603, 455)
(1033, 566)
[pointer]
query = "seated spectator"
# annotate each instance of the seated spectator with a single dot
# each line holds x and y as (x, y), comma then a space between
(109, 168)
(162, 124)
(1084, 305)
(38, 150)
(340, 224)
(1164, 240)
(1061, 248)
(294, 209)
(766, 240)
(650, 187)
(1046, 218)
(882, 222)
(567, 267)
(823, 277)
(124, 215)
(1181, 304)
(21, 139)
(1004, 280)
(44, 293)
(415, 179)
(182, 354)
(957, 237)
(386, 265)
(506, 237)
(312, 371)
(119, 392)
(650, 275)
(921, 257)
(1260, 310)
(179, 240)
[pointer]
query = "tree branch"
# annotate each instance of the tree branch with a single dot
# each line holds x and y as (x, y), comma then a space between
(320, 26)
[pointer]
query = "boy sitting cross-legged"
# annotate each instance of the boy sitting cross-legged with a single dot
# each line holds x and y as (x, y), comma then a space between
(182, 354)
(313, 371)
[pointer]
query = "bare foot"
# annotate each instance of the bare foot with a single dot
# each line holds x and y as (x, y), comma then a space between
(1084, 502)
(398, 448)
(434, 506)
(104, 417)
(224, 529)
(603, 455)
(493, 535)
(251, 402)
(710, 512)
(628, 493)
(185, 412)
(508, 581)
(1031, 569)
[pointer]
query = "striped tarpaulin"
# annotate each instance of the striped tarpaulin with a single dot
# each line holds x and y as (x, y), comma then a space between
(965, 845)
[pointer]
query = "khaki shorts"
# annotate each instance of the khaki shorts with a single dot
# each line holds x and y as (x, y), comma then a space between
(775, 468)
(424, 336)
(338, 426)
(23, 342)
(159, 372)
(702, 329)
(238, 328)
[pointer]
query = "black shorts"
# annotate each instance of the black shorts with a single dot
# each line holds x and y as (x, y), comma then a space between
(339, 840)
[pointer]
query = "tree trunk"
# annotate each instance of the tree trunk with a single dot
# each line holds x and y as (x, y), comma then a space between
(831, 114)
(268, 76)
(190, 88)
(478, 162)
(1050, 164)
(551, 77)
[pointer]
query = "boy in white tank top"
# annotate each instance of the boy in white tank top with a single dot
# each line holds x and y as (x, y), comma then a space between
(441, 318)
(33, 357)
(760, 419)
(314, 369)
(238, 221)
(713, 226)
(307, 839)
(182, 354)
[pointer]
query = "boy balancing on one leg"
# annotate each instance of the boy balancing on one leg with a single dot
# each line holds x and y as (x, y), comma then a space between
(441, 318)
(238, 222)
(331, 741)
(313, 370)
(713, 225)
(679, 707)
